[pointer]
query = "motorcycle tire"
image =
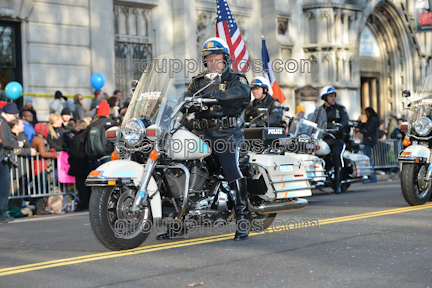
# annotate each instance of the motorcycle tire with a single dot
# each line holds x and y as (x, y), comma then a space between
(265, 221)
(345, 187)
(410, 185)
(103, 219)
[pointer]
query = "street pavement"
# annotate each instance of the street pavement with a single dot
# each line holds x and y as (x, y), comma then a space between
(366, 237)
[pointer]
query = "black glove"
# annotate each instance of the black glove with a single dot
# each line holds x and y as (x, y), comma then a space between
(65, 98)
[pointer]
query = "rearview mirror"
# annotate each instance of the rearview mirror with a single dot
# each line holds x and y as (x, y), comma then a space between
(406, 93)
(215, 77)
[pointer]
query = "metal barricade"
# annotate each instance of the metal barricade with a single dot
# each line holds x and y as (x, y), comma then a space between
(385, 153)
(34, 177)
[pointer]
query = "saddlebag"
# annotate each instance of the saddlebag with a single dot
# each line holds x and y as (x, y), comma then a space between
(284, 176)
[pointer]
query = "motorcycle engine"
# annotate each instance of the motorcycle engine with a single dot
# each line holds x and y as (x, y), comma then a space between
(198, 177)
(176, 179)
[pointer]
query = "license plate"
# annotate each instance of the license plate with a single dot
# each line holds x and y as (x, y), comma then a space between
(286, 168)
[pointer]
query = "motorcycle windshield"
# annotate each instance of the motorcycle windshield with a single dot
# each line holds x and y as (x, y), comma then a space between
(300, 125)
(158, 92)
(421, 105)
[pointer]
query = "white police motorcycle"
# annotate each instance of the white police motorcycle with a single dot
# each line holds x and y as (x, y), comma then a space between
(416, 167)
(166, 172)
(356, 166)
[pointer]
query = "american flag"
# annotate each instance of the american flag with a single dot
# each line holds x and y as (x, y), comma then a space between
(226, 29)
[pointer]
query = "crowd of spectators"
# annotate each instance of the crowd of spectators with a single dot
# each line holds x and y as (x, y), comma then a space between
(66, 130)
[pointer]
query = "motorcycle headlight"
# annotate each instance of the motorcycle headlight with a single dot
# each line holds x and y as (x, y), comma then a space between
(134, 132)
(423, 126)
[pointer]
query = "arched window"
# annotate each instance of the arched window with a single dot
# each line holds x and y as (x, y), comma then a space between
(123, 27)
(326, 28)
(133, 22)
(314, 69)
(327, 70)
(312, 27)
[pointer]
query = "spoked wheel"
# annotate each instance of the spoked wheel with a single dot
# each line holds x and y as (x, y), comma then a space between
(415, 189)
(113, 222)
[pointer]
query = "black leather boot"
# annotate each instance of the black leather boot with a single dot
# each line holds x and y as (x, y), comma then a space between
(241, 210)
(337, 180)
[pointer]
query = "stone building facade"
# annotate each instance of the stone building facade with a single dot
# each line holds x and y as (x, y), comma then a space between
(367, 49)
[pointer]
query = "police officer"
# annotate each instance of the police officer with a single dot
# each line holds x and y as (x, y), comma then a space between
(220, 121)
(260, 87)
(335, 114)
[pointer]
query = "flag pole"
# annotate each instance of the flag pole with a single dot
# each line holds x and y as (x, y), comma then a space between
(262, 37)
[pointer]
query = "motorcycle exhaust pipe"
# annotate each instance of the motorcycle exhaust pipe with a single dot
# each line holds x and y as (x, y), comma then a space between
(278, 207)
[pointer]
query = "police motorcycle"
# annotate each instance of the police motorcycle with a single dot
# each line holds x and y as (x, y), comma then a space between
(416, 167)
(165, 173)
(277, 142)
(356, 166)
(296, 147)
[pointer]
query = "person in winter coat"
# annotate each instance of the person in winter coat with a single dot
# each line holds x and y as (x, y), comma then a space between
(8, 114)
(79, 162)
(393, 124)
(96, 100)
(80, 111)
(370, 137)
(56, 132)
(40, 143)
(59, 103)
(17, 129)
(28, 106)
(67, 124)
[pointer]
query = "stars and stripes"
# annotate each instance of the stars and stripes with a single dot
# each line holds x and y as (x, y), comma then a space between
(274, 90)
(227, 29)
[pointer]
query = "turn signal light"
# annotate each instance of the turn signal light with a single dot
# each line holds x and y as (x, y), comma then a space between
(151, 132)
(94, 173)
(406, 142)
(154, 155)
(111, 134)
(115, 156)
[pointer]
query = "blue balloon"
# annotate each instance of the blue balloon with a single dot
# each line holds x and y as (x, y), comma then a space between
(13, 90)
(97, 80)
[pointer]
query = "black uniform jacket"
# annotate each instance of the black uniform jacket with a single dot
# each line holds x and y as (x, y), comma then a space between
(275, 112)
(232, 95)
(337, 114)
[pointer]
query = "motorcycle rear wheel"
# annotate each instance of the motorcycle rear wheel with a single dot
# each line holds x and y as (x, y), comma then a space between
(415, 189)
(114, 226)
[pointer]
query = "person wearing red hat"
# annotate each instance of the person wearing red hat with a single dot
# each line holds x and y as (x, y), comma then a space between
(103, 110)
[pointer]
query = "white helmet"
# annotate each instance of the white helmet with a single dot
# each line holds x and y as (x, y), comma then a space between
(326, 91)
(213, 46)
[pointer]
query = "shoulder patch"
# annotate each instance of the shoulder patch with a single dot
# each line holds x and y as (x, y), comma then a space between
(243, 80)
(345, 110)
(276, 104)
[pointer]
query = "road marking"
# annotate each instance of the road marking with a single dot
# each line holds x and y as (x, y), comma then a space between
(48, 217)
(184, 243)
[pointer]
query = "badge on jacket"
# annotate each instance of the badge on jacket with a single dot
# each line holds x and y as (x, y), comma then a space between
(243, 80)
(337, 113)
(222, 87)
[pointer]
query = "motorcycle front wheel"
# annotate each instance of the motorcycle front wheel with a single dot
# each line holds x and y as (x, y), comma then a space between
(114, 225)
(415, 189)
